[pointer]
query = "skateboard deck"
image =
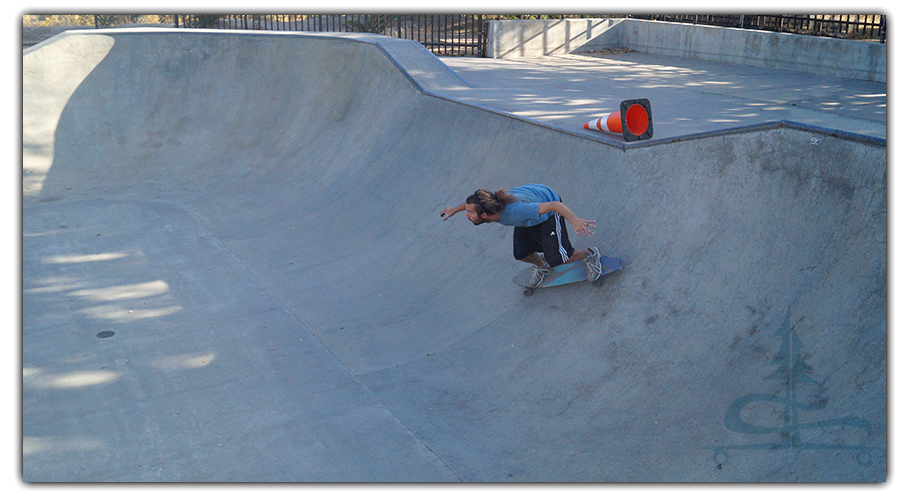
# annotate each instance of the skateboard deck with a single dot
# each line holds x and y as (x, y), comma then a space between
(567, 273)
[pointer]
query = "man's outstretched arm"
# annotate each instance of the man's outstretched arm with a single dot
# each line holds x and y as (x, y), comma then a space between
(581, 226)
(451, 211)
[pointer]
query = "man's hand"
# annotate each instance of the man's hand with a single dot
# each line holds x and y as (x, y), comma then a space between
(581, 226)
(451, 211)
(578, 224)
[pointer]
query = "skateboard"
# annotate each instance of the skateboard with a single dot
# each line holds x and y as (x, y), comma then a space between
(567, 273)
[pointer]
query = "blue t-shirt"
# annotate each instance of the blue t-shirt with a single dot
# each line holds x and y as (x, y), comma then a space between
(524, 212)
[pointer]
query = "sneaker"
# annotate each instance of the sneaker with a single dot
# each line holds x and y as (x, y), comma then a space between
(538, 276)
(593, 264)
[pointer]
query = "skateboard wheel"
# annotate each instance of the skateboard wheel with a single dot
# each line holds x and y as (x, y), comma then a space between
(528, 292)
(597, 283)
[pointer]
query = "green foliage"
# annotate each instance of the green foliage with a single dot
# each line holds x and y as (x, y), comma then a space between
(207, 20)
(102, 20)
(55, 20)
(105, 20)
(370, 24)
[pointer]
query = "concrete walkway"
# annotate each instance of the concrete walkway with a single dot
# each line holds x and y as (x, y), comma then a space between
(687, 96)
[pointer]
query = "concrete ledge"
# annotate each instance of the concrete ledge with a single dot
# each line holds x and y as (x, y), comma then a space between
(510, 39)
(818, 55)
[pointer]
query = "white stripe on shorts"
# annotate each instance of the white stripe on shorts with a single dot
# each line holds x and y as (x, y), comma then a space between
(562, 248)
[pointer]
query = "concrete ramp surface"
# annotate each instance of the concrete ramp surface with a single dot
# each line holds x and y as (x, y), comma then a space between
(234, 269)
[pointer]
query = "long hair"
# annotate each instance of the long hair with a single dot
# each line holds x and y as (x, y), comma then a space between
(490, 203)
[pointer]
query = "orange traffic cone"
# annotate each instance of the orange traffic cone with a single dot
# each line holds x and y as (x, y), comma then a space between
(638, 121)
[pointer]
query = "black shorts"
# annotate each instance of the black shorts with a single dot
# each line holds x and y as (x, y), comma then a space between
(549, 238)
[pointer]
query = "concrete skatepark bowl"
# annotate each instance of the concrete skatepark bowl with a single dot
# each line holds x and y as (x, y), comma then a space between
(234, 270)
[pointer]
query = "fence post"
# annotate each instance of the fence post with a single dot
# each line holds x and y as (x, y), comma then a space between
(478, 51)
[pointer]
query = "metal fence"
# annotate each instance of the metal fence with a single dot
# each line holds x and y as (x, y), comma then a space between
(446, 35)
(466, 35)
(854, 27)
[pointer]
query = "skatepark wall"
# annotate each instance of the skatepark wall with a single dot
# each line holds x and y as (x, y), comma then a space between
(819, 55)
(318, 165)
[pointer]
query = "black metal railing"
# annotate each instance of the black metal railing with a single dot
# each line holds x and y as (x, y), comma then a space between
(466, 35)
(446, 35)
(852, 26)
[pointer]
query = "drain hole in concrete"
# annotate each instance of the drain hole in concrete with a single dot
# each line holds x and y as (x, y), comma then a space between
(105, 334)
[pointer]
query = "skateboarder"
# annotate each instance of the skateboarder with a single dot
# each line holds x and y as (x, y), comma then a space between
(535, 211)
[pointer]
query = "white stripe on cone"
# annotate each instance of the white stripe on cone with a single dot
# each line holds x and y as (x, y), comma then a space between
(603, 124)
(600, 124)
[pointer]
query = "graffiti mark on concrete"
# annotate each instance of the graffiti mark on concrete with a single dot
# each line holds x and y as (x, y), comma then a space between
(790, 403)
